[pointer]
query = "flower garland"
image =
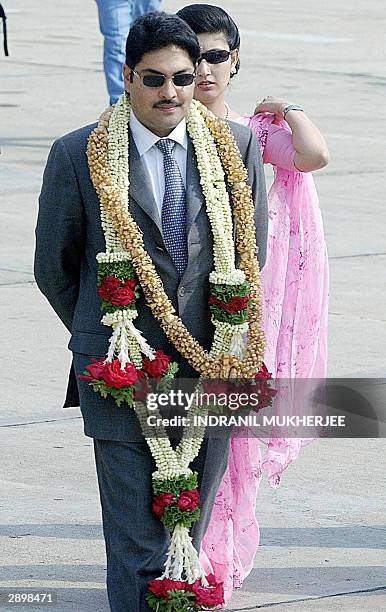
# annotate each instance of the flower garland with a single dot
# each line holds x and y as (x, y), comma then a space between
(114, 205)
(124, 270)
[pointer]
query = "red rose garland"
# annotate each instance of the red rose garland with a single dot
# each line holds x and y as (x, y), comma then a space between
(162, 501)
(116, 292)
(111, 373)
(235, 304)
(119, 290)
(230, 303)
(177, 501)
(164, 593)
(158, 366)
(108, 378)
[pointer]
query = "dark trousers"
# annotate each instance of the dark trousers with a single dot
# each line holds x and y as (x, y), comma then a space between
(136, 540)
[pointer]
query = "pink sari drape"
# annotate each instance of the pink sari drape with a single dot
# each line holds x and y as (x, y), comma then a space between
(295, 308)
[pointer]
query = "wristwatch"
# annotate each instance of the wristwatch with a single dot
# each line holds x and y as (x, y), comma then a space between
(291, 107)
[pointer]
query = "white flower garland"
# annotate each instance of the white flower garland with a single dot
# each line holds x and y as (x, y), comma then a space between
(214, 190)
(228, 338)
(111, 257)
(128, 343)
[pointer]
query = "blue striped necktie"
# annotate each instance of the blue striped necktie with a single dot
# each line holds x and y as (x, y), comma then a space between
(174, 208)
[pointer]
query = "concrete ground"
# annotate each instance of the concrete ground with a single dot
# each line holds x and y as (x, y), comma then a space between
(323, 529)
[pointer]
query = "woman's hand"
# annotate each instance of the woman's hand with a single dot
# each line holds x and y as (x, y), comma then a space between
(270, 104)
(311, 151)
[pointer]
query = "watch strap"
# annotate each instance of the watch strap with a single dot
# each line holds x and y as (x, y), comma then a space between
(290, 107)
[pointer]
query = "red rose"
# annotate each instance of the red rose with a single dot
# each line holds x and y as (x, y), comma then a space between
(114, 376)
(263, 388)
(157, 509)
(125, 294)
(263, 372)
(211, 579)
(212, 595)
(160, 588)
(131, 282)
(157, 588)
(117, 292)
(161, 501)
(178, 585)
(110, 283)
(188, 500)
(95, 369)
(235, 304)
(156, 367)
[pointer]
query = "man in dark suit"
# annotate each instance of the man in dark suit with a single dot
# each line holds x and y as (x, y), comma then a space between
(68, 238)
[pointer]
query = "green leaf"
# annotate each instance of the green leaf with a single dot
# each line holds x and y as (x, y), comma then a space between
(173, 516)
(123, 394)
(175, 485)
(172, 370)
(178, 601)
(227, 292)
(164, 384)
(123, 270)
(235, 319)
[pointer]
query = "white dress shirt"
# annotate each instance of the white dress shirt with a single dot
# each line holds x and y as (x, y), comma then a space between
(153, 158)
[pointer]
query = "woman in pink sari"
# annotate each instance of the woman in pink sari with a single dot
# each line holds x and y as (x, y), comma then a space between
(295, 287)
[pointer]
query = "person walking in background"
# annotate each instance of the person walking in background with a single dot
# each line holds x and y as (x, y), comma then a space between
(115, 19)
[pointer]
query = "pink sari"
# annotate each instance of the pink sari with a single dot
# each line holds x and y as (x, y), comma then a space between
(295, 308)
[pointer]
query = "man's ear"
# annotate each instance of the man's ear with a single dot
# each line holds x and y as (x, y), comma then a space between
(127, 77)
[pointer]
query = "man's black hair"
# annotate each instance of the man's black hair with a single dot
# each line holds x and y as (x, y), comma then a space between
(209, 19)
(157, 30)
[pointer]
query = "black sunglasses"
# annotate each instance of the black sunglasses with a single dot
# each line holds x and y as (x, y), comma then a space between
(215, 56)
(158, 80)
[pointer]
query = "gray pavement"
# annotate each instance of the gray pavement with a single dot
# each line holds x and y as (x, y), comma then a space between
(323, 529)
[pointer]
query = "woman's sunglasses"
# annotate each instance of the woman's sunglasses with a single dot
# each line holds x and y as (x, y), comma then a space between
(215, 56)
(158, 80)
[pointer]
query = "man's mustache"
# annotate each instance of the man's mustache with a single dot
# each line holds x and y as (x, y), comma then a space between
(166, 103)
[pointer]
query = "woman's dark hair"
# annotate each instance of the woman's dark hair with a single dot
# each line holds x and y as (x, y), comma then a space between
(206, 18)
(157, 30)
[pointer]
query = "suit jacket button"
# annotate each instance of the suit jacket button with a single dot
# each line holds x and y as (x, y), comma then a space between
(181, 291)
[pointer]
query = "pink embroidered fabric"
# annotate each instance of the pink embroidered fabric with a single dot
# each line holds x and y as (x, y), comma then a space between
(295, 308)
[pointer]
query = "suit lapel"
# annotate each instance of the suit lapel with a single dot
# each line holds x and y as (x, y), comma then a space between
(194, 197)
(140, 189)
(194, 204)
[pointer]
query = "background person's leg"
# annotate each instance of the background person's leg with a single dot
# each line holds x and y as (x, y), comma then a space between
(136, 540)
(115, 19)
(141, 7)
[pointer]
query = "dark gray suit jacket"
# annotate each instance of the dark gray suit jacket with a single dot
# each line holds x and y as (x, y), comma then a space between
(69, 236)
